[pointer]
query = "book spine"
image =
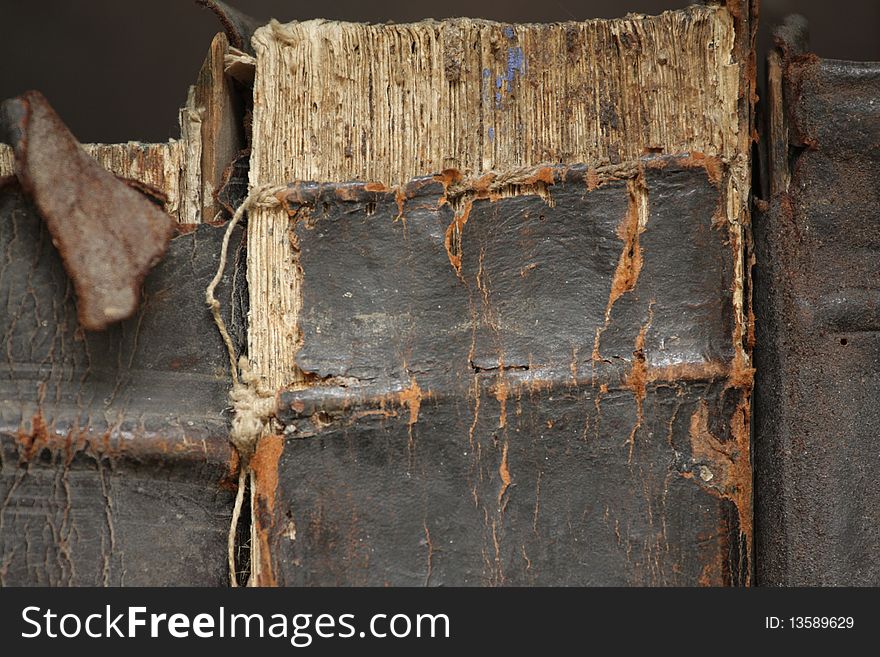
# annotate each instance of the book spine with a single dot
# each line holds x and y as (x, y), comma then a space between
(817, 296)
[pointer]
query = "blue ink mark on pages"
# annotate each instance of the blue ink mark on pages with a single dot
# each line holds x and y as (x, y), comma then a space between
(516, 63)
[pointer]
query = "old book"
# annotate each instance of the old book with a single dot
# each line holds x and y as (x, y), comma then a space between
(115, 466)
(816, 293)
(494, 283)
(516, 349)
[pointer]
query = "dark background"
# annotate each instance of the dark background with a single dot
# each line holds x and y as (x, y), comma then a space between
(117, 70)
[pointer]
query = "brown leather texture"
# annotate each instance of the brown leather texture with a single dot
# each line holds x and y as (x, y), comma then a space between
(817, 300)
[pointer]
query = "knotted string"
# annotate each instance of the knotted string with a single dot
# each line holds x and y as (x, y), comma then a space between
(251, 409)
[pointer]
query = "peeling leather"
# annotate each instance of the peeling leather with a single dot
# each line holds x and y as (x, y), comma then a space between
(115, 463)
(239, 27)
(460, 428)
(109, 235)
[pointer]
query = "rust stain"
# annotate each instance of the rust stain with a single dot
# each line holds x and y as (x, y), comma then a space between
(482, 186)
(452, 239)
(750, 319)
(637, 378)
(706, 371)
(629, 265)
(351, 192)
(498, 570)
(447, 178)
(32, 442)
(742, 374)
(411, 398)
(264, 466)
(504, 473)
(400, 199)
(546, 175)
(501, 390)
(230, 480)
(750, 339)
(107, 443)
(493, 186)
(109, 236)
(713, 165)
(740, 430)
(725, 469)
(280, 196)
(474, 391)
(531, 381)
(350, 407)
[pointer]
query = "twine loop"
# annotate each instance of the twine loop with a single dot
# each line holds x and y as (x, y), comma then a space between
(252, 409)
